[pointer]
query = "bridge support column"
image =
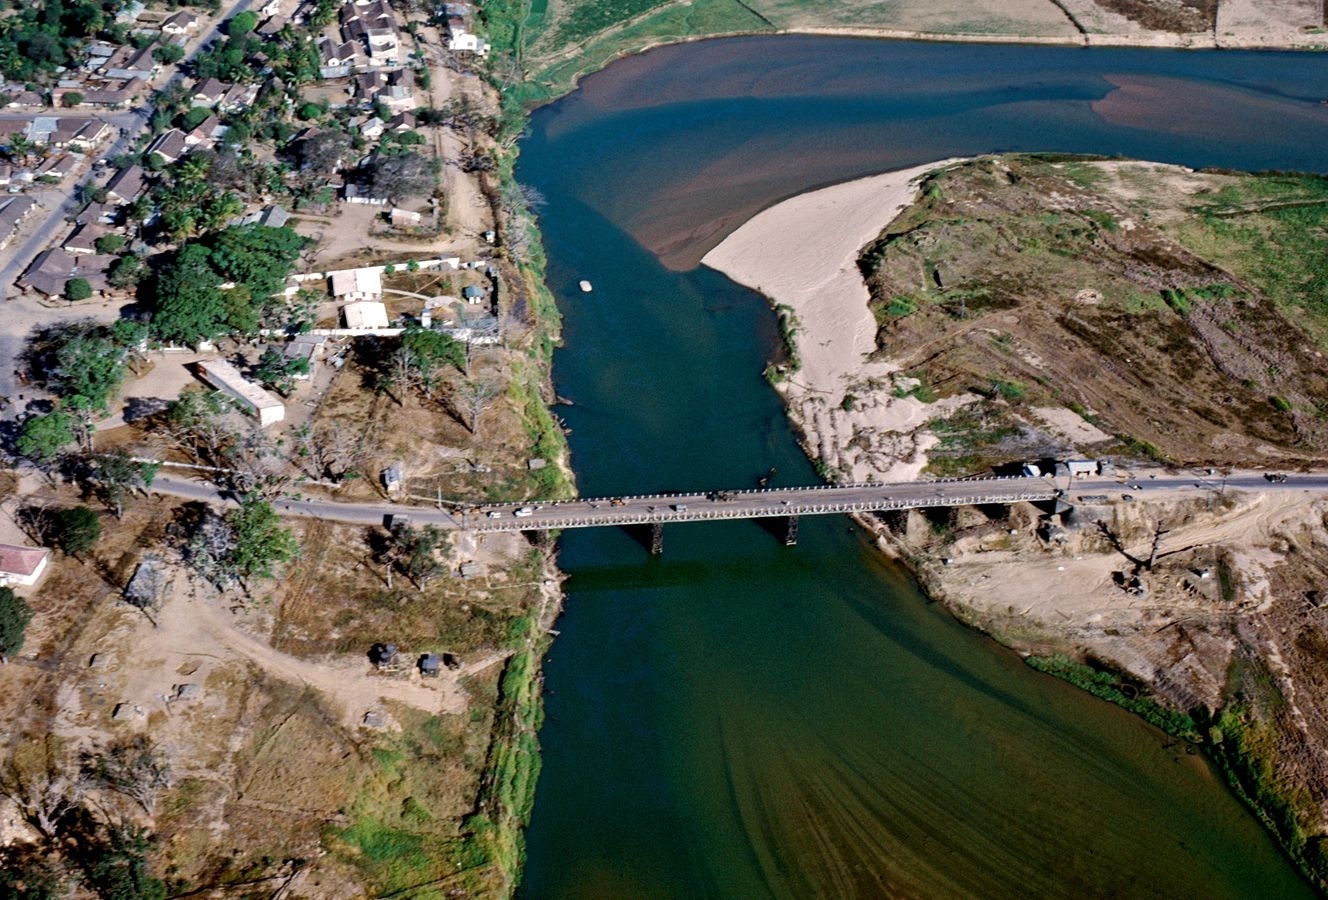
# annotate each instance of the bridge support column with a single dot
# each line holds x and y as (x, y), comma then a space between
(791, 532)
(656, 538)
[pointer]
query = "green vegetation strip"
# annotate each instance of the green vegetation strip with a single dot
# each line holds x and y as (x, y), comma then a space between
(1245, 748)
(1243, 745)
(1115, 689)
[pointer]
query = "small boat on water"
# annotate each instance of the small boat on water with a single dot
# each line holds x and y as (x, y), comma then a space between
(586, 286)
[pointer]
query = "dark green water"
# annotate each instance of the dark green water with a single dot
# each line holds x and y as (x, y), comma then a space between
(741, 719)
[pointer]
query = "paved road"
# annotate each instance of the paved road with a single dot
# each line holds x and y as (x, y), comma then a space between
(817, 500)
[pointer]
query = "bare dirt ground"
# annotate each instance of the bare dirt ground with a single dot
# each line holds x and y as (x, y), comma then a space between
(272, 727)
(284, 684)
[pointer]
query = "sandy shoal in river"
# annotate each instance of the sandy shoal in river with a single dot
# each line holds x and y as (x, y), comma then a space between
(803, 254)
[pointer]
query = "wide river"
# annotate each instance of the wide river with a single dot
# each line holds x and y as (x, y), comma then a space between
(741, 719)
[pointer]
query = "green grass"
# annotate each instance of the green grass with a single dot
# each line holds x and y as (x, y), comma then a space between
(1269, 231)
(1115, 689)
(1245, 746)
(1178, 301)
(595, 34)
(1012, 391)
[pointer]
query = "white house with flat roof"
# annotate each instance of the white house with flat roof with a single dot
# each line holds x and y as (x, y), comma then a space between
(357, 284)
(365, 314)
(262, 404)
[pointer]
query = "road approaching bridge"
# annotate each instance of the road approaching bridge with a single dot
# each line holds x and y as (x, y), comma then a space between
(790, 503)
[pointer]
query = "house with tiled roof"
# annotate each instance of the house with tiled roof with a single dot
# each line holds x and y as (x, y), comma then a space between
(22, 566)
(125, 185)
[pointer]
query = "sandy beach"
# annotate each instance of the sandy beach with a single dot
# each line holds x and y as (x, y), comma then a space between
(803, 254)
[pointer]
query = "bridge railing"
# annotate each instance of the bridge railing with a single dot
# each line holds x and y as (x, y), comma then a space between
(738, 494)
(730, 511)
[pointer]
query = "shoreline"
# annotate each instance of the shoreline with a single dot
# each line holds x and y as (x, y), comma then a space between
(1287, 40)
(801, 254)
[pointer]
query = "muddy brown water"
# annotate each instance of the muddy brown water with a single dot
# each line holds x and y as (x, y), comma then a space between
(742, 719)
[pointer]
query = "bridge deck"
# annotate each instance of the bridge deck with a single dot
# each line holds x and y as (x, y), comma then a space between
(797, 501)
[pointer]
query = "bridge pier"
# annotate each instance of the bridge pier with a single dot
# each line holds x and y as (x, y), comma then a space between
(656, 538)
(791, 532)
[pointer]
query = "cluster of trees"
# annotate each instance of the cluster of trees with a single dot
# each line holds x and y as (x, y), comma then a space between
(39, 38)
(291, 57)
(229, 59)
(112, 477)
(83, 365)
(247, 543)
(188, 203)
(79, 809)
(206, 425)
(439, 368)
(421, 362)
(188, 300)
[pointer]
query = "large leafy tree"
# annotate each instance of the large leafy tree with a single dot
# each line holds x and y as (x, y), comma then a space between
(260, 541)
(248, 543)
(77, 530)
(82, 363)
(14, 617)
(189, 301)
(257, 256)
(43, 438)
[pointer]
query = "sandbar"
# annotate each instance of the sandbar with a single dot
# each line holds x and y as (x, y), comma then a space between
(802, 253)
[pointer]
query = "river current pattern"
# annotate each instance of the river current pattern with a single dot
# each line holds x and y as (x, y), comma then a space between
(737, 718)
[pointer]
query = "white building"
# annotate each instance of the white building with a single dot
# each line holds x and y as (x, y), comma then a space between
(365, 314)
(357, 284)
(262, 404)
(22, 566)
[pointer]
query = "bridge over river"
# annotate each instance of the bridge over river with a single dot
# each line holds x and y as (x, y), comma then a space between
(656, 510)
(789, 502)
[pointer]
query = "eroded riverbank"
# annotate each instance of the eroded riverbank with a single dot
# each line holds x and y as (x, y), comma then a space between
(1209, 635)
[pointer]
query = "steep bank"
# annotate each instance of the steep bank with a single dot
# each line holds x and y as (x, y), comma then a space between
(1143, 284)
